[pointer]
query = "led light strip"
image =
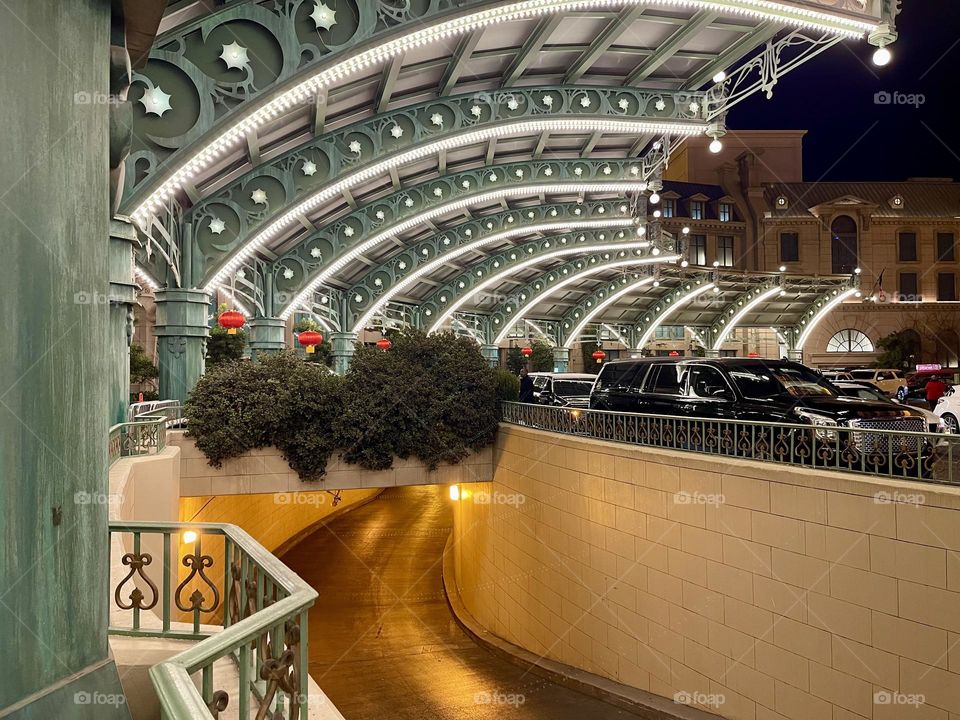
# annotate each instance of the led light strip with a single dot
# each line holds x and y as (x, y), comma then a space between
(762, 297)
(607, 302)
(566, 251)
(291, 217)
(821, 315)
(445, 258)
(763, 10)
(516, 190)
(669, 311)
(559, 286)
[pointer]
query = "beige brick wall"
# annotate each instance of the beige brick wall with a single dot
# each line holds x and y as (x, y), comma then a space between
(765, 592)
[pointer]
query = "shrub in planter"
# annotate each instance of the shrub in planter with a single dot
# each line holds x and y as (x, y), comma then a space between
(223, 347)
(431, 397)
(508, 385)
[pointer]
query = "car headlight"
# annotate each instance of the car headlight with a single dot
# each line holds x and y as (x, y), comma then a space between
(821, 423)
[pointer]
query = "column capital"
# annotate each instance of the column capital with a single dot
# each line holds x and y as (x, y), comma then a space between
(267, 335)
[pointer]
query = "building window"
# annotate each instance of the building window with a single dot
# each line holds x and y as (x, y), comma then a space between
(725, 250)
(696, 210)
(669, 208)
(789, 247)
(909, 292)
(726, 212)
(907, 246)
(946, 247)
(698, 249)
(849, 340)
(946, 287)
(669, 332)
(844, 245)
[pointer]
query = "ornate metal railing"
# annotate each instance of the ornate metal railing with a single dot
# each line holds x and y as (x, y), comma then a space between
(235, 597)
(895, 453)
(146, 434)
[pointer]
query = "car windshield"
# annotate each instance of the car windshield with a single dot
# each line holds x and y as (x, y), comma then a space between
(864, 393)
(567, 388)
(767, 382)
(863, 374)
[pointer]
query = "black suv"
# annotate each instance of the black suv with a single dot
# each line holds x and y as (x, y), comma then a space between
(755, 390)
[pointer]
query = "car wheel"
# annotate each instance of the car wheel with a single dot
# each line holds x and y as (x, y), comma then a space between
(951, 422)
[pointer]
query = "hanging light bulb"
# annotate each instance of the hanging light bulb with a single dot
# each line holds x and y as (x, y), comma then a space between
(655, 198)
(716, 146)
(720, 77)
(882, 57)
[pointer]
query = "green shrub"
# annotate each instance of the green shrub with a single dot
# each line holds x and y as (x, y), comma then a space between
(508, 385)
(432, 397)
(223, 347)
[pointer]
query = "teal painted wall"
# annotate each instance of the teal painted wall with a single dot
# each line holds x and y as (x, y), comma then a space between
(54, 369)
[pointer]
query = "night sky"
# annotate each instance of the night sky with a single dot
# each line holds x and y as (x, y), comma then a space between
(850, 137)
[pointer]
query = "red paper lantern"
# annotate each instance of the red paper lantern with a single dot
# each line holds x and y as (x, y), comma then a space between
(309, 339)
(753, 355)
(674, 353)
(230, 321)
(599, 355)
(384, 344)
(526, 352)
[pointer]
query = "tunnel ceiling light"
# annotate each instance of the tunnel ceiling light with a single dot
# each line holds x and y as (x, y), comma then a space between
(515, 190)
(747, 309)
(569, 281)
(214, 149)
(493, 279)
(670, 309)
(446, 258)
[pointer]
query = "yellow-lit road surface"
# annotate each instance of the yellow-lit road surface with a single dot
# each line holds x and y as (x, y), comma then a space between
(383, 644)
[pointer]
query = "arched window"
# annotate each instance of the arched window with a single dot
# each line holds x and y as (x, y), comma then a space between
(843, 246)
(849, 341)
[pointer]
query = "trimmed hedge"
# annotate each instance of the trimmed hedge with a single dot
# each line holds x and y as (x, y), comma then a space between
(430, 397)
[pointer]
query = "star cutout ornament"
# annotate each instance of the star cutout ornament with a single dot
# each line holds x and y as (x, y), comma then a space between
(475, 111)
(548, 101)
(585, 101)
(513, 104)
(624, 104)
(309, 168)
(355, 147)
(155, 101)
(235, 56)
(396, 131)
(288, 273)
(323, 17)
(217, 226)
(437, 119)
(661, 105)
(316, 252)
(259, 197)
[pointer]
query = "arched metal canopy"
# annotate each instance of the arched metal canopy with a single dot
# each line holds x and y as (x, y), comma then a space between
(299, 151)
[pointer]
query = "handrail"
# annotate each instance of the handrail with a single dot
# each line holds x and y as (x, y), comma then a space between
(264, 608)
(145, 434)
(887, 452)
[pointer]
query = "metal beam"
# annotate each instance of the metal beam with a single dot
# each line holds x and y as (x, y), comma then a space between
(541, 144)
(670, 46)
(590, 144)
(734, 53)
(617, 27)
(458, 61)
(530, 48)
(319, 113)
(491, 150)
(391, 71)
(253, 147)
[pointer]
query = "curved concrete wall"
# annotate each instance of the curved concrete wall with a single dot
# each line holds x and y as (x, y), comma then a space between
(756, 591)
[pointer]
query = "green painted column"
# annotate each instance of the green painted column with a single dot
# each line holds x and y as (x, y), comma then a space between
(56, 367)
(561, 359)
(123, 297)
(492, 354)
(267, 335)
(181, 331)
(343, 347)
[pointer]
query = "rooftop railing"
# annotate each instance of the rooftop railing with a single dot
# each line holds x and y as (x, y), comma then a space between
(895, 451)
(146, 433)
(237, 599)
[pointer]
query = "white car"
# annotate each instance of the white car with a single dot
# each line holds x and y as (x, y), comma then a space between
(948, 410)
(887, 380)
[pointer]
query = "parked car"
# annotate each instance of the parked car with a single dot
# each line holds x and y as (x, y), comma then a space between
(566, 389)
(834, 375)
(885, 379)
(948, 410)
(757, 390)
(868, 391)
(914, 385)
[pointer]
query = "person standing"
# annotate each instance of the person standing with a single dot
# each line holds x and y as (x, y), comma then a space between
(935, 388)
(526, 387)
